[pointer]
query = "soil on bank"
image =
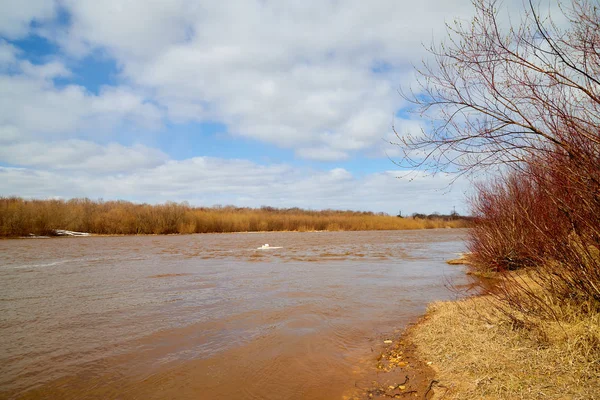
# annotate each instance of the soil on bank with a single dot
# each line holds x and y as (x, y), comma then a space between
(400, 373)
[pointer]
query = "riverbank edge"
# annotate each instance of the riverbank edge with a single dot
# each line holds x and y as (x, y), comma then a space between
(88, 235)
(476, 354)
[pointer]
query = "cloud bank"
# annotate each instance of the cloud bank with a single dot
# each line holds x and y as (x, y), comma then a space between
(316, 79)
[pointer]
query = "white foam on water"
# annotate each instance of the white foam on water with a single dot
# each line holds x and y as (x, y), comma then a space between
(267, 247)
(43, 265)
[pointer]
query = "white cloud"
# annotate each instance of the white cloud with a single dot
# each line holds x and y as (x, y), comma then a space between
(208, 181)
(33, 105)
(8, 54)
(297, 74)
(9, 134)
(16, 17)
(50, 70)
(82, 155)
(40, 121)
(321, 154)
(135, 28)
(318, 77)
(24, 182)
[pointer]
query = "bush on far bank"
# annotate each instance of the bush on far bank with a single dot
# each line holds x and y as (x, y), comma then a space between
(21, 217)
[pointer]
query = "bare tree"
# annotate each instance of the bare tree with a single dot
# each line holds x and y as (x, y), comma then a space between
(524, 98)
(497, 95)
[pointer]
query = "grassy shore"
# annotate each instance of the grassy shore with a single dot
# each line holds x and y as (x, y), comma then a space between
(20, 217)
(478, 350)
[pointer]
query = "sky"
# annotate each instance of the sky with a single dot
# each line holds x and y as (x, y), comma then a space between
(249, 103)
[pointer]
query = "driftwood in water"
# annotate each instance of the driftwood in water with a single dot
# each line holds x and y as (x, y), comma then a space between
(62, 232)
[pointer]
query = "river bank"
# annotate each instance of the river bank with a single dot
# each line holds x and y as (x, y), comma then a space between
(468, 349)
(483, 347)
(21, 217)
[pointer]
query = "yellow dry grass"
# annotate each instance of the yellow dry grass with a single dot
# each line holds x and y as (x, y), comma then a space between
(20, 217)
(478, 353)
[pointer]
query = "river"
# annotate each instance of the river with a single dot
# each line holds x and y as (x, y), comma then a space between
(211, 316)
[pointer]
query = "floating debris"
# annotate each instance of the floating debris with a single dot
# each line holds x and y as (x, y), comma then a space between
(34, 236)
(267, 247)
(62, 232)
(463, 259)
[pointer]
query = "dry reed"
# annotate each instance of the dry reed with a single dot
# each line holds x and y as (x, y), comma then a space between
(20, 217)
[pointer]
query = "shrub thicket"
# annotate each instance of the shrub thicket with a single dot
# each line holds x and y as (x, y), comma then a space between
(547, 216)
(20, 217)
(524, 102)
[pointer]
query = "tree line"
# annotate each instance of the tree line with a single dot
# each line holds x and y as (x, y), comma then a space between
(22, 217)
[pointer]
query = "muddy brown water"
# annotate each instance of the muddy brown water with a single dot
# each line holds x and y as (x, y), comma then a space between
(210, 316)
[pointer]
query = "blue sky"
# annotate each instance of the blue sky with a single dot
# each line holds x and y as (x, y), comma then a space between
(288, 104)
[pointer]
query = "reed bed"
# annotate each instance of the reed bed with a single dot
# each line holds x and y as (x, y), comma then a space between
(22, 217)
